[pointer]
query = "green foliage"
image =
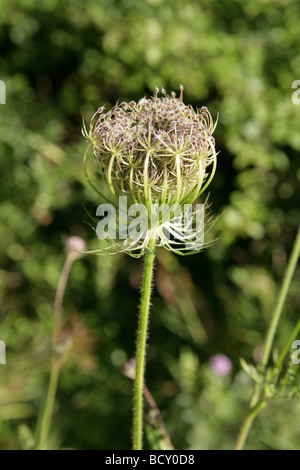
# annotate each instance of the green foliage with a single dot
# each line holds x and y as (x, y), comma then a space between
(61, 60)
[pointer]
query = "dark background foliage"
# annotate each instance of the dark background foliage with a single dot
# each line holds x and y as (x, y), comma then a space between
(60, 61)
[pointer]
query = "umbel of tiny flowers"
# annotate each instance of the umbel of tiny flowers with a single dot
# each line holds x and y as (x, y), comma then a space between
(156, 152)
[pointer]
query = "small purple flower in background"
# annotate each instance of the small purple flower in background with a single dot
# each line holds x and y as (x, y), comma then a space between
(221, 364)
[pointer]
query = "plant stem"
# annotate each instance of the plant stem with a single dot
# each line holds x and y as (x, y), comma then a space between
(59, 296)
(141, 347)
(289, 272)
(55, 362)
(281, 298)
(157, 419)
(47, 416)
(247, 425)
(255, 403)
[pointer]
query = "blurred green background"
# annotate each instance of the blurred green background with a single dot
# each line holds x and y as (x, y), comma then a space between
(60, 61)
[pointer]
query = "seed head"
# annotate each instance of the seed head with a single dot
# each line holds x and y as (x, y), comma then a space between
(157, 150)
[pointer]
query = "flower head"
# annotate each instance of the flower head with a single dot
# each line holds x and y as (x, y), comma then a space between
(157, 151)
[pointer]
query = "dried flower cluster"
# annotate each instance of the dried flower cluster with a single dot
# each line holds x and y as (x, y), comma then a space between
(154, 151)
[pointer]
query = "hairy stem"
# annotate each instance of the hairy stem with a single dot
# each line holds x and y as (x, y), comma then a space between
(141, 347)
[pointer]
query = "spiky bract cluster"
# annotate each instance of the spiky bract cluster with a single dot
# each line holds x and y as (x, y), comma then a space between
(156, 152)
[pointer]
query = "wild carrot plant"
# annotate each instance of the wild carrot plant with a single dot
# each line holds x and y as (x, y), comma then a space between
(157, 155)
